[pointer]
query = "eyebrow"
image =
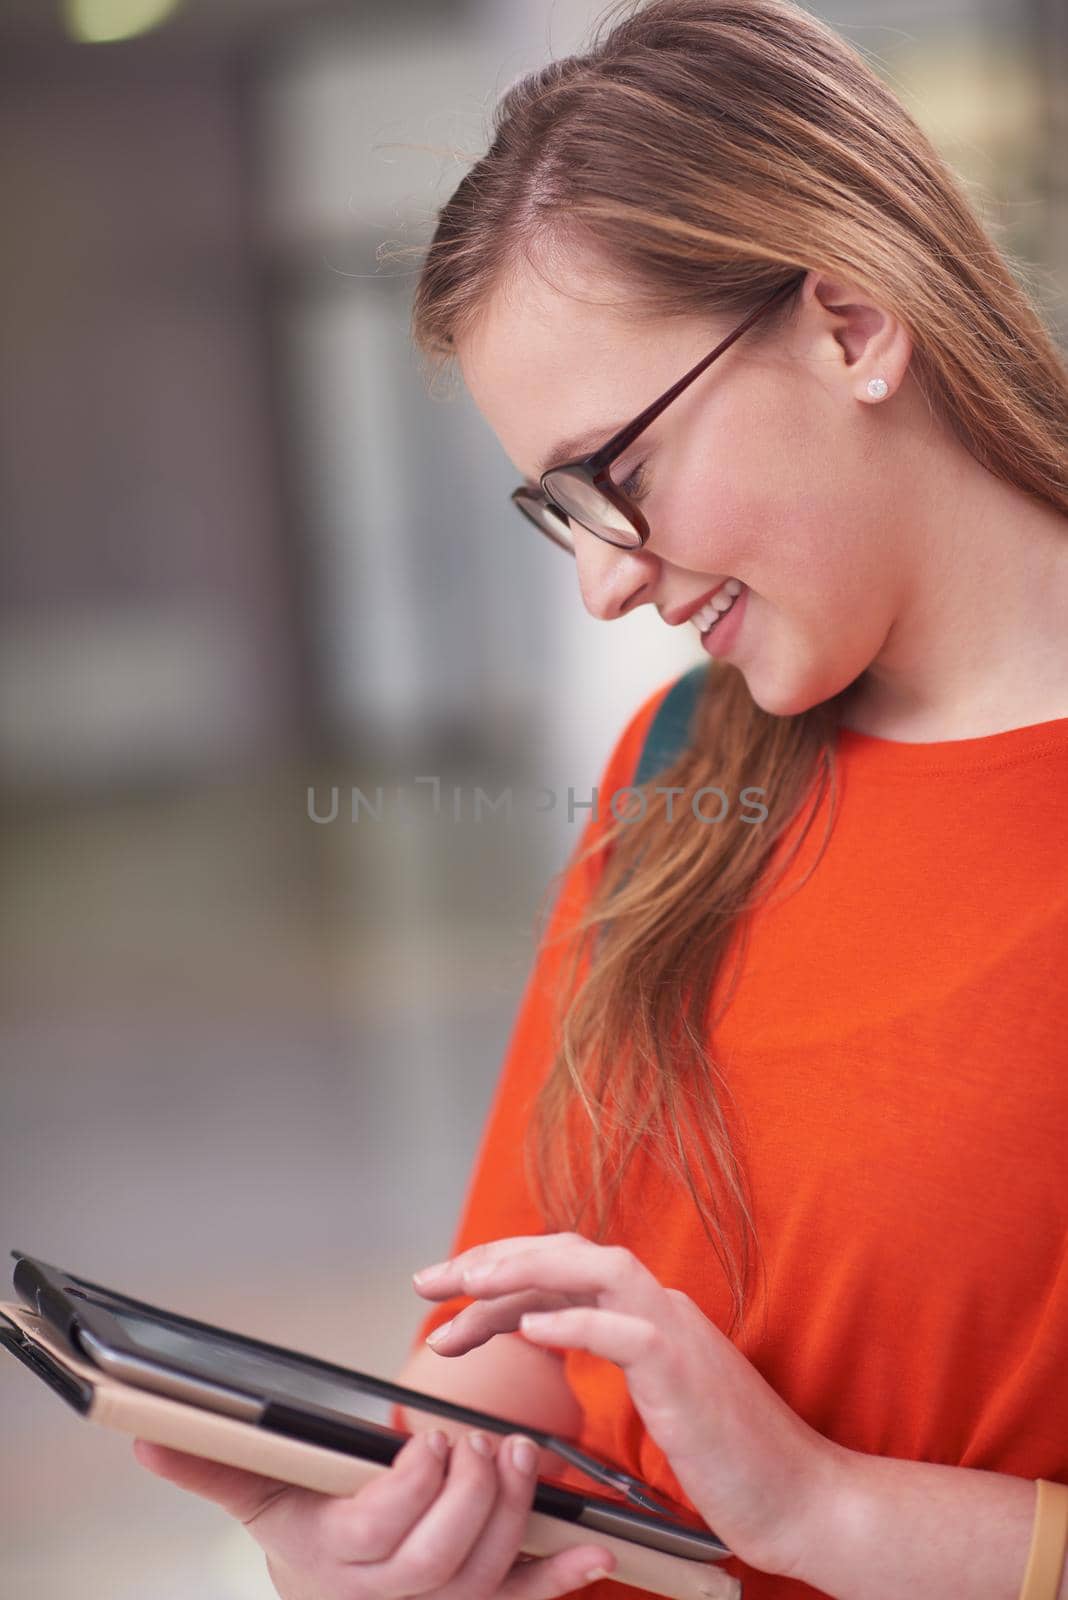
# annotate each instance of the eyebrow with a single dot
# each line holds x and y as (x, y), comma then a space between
(579, 444)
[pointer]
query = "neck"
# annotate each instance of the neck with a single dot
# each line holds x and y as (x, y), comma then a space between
(979, 641)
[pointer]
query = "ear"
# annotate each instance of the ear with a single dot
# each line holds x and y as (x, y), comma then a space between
(871, 342)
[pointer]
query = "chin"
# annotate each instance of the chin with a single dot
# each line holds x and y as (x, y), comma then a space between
(788, 698)
(779, 698)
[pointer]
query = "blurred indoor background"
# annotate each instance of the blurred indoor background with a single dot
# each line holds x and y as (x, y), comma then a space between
(245, 554)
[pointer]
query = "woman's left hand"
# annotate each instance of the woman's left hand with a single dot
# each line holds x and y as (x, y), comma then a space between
(761, 1478)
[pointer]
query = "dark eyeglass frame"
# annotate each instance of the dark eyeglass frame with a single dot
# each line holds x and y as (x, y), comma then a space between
(533, 503)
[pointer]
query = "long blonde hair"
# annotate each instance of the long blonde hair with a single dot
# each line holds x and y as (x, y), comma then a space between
(708, 150)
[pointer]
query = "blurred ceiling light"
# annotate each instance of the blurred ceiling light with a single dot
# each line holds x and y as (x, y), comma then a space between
(102, 21)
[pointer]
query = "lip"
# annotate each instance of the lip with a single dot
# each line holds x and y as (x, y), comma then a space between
(684, 613)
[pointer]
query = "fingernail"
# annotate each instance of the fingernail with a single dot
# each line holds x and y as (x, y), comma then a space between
(439, 1333)
(438, 1442)
(524, 1455)
(479, 1444)
(426, 1274)
(595, 1574)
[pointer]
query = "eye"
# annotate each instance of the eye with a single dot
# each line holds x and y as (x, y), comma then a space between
(635, 486)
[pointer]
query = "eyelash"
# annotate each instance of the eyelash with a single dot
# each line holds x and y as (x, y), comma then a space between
(635, 487)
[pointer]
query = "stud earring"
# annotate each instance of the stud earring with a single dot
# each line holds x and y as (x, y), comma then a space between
(877, 387)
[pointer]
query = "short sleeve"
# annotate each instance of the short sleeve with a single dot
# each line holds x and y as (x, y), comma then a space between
(498, 1203)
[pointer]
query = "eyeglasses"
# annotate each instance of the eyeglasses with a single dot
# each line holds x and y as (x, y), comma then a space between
(582, 491)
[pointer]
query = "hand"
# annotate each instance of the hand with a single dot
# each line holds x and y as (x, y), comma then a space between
(757, 1473)
(438, 1521)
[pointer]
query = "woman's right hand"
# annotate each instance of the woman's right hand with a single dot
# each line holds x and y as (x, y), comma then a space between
(442, 1520)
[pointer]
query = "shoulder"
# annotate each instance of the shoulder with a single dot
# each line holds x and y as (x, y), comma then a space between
(641, 732)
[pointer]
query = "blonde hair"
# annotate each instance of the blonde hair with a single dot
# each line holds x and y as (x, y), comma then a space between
(708, 150)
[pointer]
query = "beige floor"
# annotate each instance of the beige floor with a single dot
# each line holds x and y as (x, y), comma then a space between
(245, 1064)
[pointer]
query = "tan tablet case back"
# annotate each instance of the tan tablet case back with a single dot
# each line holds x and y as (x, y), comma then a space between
(241, 1444)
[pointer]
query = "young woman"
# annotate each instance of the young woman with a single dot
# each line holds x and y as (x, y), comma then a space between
(792, 1242)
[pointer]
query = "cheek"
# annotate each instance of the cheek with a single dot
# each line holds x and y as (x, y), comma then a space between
(736, 502)
(788, 539)
(739, 524)
(768, 491)
(714, 535)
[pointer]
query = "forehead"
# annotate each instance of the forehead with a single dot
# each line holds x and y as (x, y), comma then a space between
(551, 359)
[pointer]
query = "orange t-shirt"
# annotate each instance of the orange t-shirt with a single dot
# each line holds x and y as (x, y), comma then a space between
(897, 1052)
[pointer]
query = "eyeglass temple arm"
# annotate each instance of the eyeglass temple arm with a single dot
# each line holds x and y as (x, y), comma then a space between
(619, 442)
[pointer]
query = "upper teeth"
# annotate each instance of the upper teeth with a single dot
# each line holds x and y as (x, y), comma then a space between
(721, 601)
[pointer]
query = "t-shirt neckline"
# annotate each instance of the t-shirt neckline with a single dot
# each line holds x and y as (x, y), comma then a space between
(957, 755)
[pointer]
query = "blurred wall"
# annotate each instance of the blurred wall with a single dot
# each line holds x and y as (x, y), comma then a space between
(145, 627)
(404, 497)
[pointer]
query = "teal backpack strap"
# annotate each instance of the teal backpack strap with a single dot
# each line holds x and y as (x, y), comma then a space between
(668, 735)
(669, 731)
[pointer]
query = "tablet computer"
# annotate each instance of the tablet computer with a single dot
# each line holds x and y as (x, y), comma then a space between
(168, 1378)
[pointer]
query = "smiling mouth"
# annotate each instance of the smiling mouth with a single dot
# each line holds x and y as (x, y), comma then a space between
(713, 610)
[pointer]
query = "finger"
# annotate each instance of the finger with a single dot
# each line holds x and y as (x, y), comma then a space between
(443, 1537)
(498, 1552)
(369, 1525)
(543, 1577)
(493, 1556)
(616, 1336)
(660, 1383)
(565, 1264)
(477, 1323)
(432, 1282)
(243, 1494)
(321, 1534)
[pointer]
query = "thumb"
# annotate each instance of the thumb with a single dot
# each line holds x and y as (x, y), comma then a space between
(243, 1494)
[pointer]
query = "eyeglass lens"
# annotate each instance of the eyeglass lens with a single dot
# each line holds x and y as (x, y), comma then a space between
(577, 496)
(549, 520)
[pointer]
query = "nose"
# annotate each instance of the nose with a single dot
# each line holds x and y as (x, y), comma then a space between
(612, 580)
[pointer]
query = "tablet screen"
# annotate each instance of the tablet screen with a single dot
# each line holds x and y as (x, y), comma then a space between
(211, 1356)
